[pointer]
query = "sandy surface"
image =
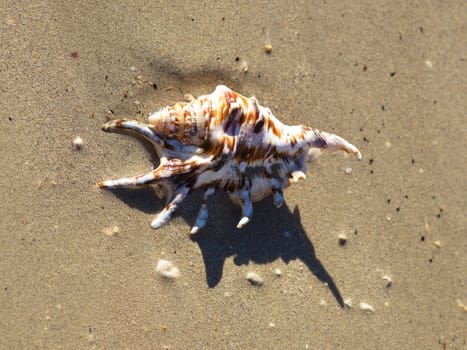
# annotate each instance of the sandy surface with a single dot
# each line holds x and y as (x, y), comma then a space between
(388, 76)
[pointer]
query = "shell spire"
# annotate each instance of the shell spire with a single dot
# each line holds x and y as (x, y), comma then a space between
(224, 141)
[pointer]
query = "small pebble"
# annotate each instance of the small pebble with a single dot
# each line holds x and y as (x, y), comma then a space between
(323, 303)
(188, 97)
(254, 279)
(429, 64)
(277, 271)
(272, 324)
(348, 170)
(342, 239)
(437, 243)
(78, 143)
(244, 66)
(366, 307)
(166, 269)
(133, 68)
(388, 279)
(268, 48)
(388, 144)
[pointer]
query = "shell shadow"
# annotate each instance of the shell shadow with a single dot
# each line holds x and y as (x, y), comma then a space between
(142, 199)
(272, 234)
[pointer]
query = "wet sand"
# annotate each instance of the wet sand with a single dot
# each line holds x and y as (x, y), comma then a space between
(388, 76)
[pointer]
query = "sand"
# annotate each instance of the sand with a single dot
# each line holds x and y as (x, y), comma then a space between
(77, 264)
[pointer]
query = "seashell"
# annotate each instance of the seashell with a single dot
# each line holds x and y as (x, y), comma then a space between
(254, 279)
(77, 143)
(277, 271)
(366, 307)
(166, 269)
(223, 141)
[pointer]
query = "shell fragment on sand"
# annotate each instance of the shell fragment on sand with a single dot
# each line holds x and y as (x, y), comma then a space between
(77, 143)
(167, 270)
(254, 279)
(366, 307)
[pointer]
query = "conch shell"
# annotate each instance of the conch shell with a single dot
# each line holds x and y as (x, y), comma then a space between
(224, 141)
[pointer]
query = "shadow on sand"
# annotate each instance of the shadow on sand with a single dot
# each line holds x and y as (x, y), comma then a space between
(273, 233)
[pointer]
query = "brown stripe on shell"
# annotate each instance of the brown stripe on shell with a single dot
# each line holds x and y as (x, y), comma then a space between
(270, 125)
(230, 121)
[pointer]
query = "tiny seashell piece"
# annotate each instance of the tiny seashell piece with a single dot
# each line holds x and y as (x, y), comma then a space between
(188, 98)
(78, 143)
(277, 271)
(462, 305)
(366, 307)
(244, 66)
(223, 142)
(388, 279)
(342, 239)
(111, 231)
(166, 269)
(254, 279)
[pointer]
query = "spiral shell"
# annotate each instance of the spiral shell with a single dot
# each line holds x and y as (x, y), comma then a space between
(224, 141)
(197, 122)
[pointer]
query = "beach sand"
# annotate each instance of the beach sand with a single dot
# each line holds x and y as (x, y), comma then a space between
(389, 76)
